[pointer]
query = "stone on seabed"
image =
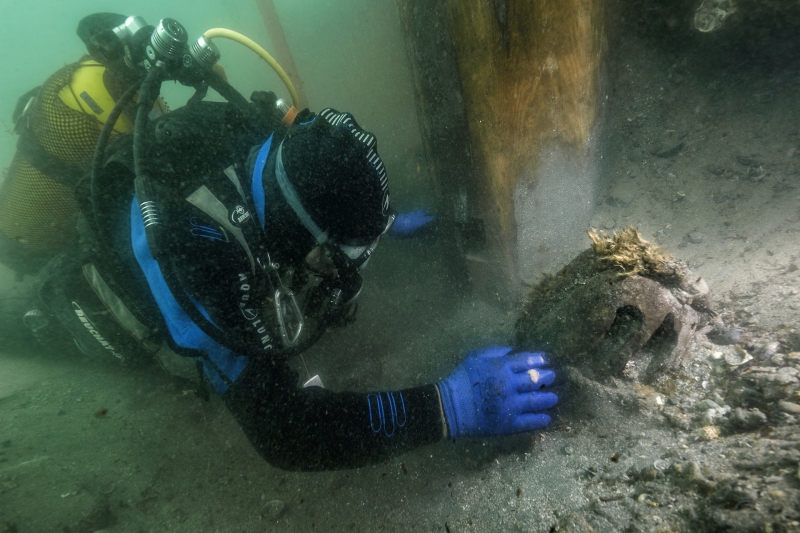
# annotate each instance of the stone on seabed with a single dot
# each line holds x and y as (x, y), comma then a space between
(273, 509)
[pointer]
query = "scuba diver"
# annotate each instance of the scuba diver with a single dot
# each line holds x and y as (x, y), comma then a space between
(235, 233)
(59, 123)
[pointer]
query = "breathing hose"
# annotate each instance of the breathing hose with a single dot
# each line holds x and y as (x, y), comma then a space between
(255, 47)
(148, 93)
(149, 89)
(102, 142)
(146, 196)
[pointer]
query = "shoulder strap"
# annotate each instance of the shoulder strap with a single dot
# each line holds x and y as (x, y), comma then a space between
(188, 325)
(23, 104)
(45, 162)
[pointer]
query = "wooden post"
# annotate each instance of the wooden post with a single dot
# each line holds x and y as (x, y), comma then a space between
(529, 73)
(443, 125)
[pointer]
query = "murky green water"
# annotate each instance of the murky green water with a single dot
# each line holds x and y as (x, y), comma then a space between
(701, 151)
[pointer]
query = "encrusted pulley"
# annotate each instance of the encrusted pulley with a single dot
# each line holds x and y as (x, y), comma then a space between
(623, 306)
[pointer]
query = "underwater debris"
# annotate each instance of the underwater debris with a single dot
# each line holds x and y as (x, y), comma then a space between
(629, 252)
(622, 296)
(712, 13)
(725, 336)
(273, 509)
(709, 433)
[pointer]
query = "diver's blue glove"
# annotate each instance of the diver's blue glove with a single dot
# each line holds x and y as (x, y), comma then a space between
(494, 393)
(411, 224)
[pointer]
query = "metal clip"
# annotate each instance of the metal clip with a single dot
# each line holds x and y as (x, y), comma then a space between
(290, 317)
(289, 314)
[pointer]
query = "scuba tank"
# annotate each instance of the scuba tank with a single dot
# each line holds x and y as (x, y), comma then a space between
(59, 124)
(38, 211)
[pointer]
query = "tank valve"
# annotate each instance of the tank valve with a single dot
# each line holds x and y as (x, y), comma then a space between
(289, 111)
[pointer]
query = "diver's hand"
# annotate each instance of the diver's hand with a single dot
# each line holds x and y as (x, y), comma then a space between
(494, 392)
(412, 224)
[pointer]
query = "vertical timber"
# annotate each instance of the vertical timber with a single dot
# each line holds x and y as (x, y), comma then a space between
(443, 124)
(529, 75)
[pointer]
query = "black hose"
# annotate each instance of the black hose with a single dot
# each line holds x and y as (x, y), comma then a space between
(149, 90)
(226, 90)
(200, 92)
(145, 192)
(334, 305)
(151, 87)
(100, 150)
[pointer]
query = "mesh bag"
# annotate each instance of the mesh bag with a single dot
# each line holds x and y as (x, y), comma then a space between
(36, 211)
(67, 134)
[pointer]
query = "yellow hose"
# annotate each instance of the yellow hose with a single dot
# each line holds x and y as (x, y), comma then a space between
(252, 45)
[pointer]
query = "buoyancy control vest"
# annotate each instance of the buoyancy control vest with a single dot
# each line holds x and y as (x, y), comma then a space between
(199, 161)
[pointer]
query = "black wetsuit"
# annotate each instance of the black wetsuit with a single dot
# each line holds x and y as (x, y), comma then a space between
(200, 153)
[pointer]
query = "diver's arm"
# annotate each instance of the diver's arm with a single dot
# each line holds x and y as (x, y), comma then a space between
(305, 428)
(317, 429)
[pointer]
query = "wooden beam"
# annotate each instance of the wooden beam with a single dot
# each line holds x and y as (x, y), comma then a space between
(443, 125)
(526, 85)
(529, 73)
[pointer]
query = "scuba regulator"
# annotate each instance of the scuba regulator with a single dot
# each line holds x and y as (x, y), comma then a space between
(141, 47)
(164, 52)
